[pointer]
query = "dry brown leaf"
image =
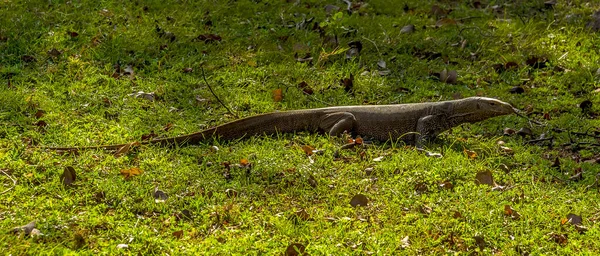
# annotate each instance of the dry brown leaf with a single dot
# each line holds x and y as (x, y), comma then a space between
(359, 200)
(178, 234)
(485, 177)
(470, 154)
(509, 211)
(295, 249)
(308, 150)
(126, 148)
(277, 95)
(128, 173)
(68, 176)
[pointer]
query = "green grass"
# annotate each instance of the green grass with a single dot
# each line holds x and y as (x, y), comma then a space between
(84, 105)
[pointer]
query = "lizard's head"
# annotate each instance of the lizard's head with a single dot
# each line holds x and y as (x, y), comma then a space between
(480, 108)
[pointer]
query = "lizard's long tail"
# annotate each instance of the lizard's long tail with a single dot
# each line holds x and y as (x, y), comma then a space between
(271, 123)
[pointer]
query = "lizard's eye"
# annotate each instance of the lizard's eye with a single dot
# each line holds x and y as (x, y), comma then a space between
(493, 103)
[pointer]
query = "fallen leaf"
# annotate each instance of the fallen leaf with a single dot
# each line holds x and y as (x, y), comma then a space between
(295, 249)
(509, 211)
(28, 58)
(404, 243)
(447, 185)
(585, 106)
(517, 90)
(470, 154)
(407, 29)
(381, 64)
(150, 96)
(308, 150)
(302, 215)
(574, 219)
(126, 148)
(68, 176)
(188, 70)
(329, 9)
(509, 131)
(348, 83)
(445, 21)
(72, 33)
(40, 113)
(506, 150)
(448, 77)
(355, 48)
(178, 234)
(485, 177)
(305, 88)
(122, 246)
(558, 238)
(359, 200)
(421, 187)
(159, 195)
(425, 209)
(525, 132)
(54, 52)
(128, 173)
(536, 62)
(277, 95)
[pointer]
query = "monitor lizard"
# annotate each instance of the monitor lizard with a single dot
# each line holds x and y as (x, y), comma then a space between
(414, 123)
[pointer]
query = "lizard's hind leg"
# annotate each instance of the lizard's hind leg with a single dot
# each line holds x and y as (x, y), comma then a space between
(336, 123)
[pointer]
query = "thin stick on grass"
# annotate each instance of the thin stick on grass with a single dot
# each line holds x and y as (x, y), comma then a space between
(13, 180)
(215, 95)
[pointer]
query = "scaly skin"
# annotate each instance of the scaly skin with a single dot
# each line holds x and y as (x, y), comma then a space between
(413, 123)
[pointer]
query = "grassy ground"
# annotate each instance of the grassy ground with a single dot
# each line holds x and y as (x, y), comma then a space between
(70, 73)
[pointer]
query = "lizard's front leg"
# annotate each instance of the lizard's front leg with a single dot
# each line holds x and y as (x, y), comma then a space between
(336, 123)
(428, 127)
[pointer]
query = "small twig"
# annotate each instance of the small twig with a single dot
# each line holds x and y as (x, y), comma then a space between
(13, 180)
(215, 95)
(518, 113)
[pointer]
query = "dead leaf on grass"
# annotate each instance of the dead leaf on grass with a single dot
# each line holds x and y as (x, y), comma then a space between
(359, 200)
(54, 53)
(470, 154)
(355, 48)
(448, 76)
(277, 95)
(178, 234)
(295, 249)
(159, 196)
(305, 88)
(485, 177)
(68, 176)
(348, 83)
(309, 150)
(407, 29)
(128, 173)
(512, 213)
(149, 96)
(561, 239)
(404, 243)
(126, 148)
